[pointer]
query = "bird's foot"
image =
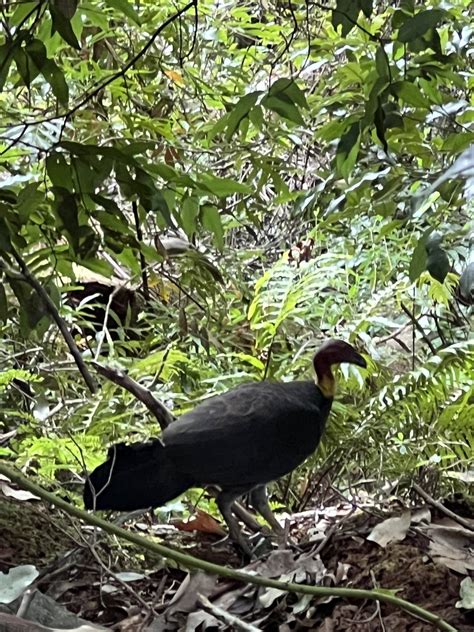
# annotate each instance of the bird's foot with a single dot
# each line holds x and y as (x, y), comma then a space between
(282, 537)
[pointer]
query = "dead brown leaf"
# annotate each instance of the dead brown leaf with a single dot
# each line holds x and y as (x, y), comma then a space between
(203, 522)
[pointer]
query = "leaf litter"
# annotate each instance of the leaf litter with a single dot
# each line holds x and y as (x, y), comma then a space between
(423, 558)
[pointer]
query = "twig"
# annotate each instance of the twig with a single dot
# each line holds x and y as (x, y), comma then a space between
(26, 600)
(332, 530)
(222, 615)
(394, 334)
(138, 229)
(377, 610)
(172, 280)
(269, 357)
(157, 409)
(435, 503)
(53, 312)
(104, 329)
(416, 323)
(189, 561)
(110, 572)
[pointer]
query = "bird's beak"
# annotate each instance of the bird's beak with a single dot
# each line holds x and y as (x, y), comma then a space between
(359, 360)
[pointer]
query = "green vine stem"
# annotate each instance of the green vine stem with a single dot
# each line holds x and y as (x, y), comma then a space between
(190, 562)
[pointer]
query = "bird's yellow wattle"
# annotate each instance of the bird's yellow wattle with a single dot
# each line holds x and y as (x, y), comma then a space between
(327, 385)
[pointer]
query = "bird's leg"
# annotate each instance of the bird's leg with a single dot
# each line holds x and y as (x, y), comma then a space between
(246, 517)
(259, 500)
(241, 513)
(225, 501)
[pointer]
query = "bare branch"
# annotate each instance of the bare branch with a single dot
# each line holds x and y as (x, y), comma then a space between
(144, 395)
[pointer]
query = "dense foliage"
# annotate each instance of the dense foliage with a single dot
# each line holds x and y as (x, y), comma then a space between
(258, 176)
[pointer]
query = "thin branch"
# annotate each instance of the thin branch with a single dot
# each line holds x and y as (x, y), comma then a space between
(108, 571)
(48, 303)
(144, 395)
(172, 280)
(104, 332)
(440, 507)
(138, 229)
(226, 617)
(189, 561)
(416, 323)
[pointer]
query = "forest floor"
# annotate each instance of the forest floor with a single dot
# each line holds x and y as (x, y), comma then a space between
(420, 554)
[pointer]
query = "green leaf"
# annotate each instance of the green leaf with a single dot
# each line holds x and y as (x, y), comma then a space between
(283, 108)
(67, 210)
(410, 93)
(218, 127)
(256, 117)
(37, 52)
(164, 171)
(114, 223)
(188, 215)
(6, 57)
(222, 187)
(458, 142)
(408, 6)
(240, 111)
(288, 90)
(66, 7)
(417, 25)
(26, 67)
(376, 96)
(99, 266)
(345, 14)
(367, 7)
(106, 203)
(211, 220)
(3, 304)
(418, 259)
(85, 177)
(23, 9)
(381, 63)
(32, 311)
(58, 170)
(348, 150)
(62, 25)
(55, 77)
(82, 149)
(379, 122)
(126, 8)
(29, 199)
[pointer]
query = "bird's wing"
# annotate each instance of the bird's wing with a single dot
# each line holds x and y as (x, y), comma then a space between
(250, 435)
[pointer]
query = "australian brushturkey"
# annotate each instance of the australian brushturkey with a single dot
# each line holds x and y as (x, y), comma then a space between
(239, 441)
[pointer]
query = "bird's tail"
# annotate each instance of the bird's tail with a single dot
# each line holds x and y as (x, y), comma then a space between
(137, 476)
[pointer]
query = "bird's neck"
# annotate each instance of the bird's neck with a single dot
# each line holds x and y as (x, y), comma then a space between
(326, 383)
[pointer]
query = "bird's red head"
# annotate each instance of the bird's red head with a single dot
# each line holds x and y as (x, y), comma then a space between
(333, 352)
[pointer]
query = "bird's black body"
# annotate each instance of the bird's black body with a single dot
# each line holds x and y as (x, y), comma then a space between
(238, 441)
(247, 437)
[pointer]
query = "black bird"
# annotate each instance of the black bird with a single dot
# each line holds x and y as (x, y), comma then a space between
(239, 441)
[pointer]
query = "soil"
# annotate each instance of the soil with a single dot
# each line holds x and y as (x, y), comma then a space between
(34, 534)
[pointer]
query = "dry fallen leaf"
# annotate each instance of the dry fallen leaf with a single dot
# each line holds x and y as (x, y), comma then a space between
(186, 597)
(452, 547)
(202, 521)
(390, 530)
(466, 593)
(18, 494)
